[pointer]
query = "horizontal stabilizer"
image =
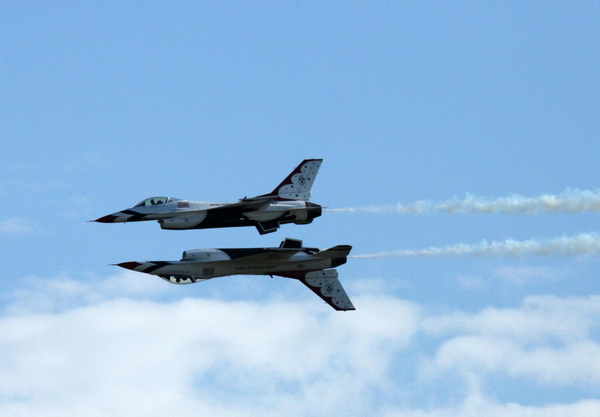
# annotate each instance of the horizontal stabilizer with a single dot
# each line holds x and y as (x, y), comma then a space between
(267, 227)
(291, 243)
(338, 254)
(327, 286)
(336, 251)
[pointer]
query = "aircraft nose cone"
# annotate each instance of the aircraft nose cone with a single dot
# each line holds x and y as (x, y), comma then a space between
(129, 265)
(107, 219)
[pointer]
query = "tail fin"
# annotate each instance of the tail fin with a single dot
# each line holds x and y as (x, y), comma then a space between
(327, 286)
(297, 185)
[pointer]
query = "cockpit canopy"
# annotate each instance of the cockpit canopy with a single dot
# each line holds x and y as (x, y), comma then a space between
(153, 201)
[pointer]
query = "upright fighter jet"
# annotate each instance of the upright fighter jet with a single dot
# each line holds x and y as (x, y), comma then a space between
(288, 203)
(290, 259)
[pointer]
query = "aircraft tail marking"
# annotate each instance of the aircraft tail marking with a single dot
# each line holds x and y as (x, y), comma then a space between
(297, 185)
(327, 286)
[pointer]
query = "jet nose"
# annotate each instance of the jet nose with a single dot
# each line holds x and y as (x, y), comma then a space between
(129, 265)
(314, 210)
(111, 218)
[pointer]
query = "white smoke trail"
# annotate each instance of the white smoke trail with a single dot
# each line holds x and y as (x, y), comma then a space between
(418, 207)
(582, 244)
(569, 201)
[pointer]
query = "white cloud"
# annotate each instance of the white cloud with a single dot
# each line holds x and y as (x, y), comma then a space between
(111, 347)
(477, 407)
(524, 274)
(15, 226)
(572, 363)
(547, 339)
(42, 295)
(118, 356)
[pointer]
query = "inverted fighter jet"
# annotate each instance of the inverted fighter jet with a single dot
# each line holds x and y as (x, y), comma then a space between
(290, 260)
(288, 203)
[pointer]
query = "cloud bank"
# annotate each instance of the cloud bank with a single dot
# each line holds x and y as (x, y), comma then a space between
(130, 353)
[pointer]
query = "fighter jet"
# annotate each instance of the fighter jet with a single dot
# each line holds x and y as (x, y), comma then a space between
(288, 203)
(290, 260)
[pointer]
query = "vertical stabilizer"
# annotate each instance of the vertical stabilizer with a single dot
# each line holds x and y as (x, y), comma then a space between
(327, 286)
(298, 184)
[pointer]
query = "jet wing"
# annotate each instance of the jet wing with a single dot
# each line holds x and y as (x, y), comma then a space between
(244, 205)
(261, 255)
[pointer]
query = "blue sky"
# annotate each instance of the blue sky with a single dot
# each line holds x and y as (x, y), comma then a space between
(407, 103)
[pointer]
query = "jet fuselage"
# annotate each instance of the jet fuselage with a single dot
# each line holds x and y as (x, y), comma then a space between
(287, 203)
(177, 214)
(202, 264)
(311, 266)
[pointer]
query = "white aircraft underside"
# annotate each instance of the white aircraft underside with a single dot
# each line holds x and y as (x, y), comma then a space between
(291, 260)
